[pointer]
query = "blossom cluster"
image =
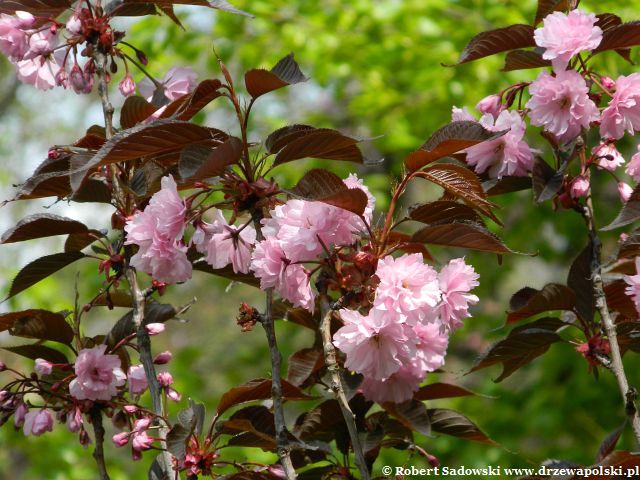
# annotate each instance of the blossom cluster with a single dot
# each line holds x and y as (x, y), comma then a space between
(406, 333)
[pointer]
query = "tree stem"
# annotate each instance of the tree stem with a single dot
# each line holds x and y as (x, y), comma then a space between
(336, 386)
(617, 367)
(98, 451)
(284, 451)
(103, 90)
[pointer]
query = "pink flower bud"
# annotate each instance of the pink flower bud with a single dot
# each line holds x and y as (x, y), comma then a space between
(18, 417)
(3, 366)
(74, 25)
(165, 379)
(141, 424)
(141, 441)
(127, 86)
(173, 394)
(4, 394)
(130, 409)
(491, 105)
(120, 439)
(623, 237)
(608, 83)
(84, 438)
(74, 420)
(76, 79)
(43, 367)
(154, 328)
(163, 358)
(38, 422)
(579, 187)
(625, 191)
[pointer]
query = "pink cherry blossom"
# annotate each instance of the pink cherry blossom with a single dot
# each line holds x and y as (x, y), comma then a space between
(456, 280)
(41, 71)
(461, 115)
(74, 420)
(165, 379)
(561, 105)
(227, 244)
(608, 156)
(41, 43)
(74, 25)
(158, 231)
(37, 422)
(431, 347)
(137, 379)
(565, 35)
(352, 181)
(491, 105)
(97, 375)
(623, 111)
(407, 286)
(127, 86)
(178, 82)
(633, 167)
(624, 190)
(398, 388)
(508, 154)
(377, 344)
(633, 288)
(14, 41)
(579, 187)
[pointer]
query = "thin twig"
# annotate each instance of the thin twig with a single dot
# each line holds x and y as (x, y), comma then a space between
(98, 451)
(617, 367)
(100, 60)
(336, 386)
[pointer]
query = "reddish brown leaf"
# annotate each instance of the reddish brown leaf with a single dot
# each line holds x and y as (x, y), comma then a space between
(40, 269)
(38, 351)
(626, 461)
(303, 363)
(520, 347)
(323, 186)
(523, 60)
(618, 300)
(187, 106)
(629, 335)
(285, 72)
(609, 443)
(546, 181)
(545, 7)
(463, 235)
(199, 162)
(40, 324)
(580, 280)
(528, 301)
(443, 211)
(455, 424)
(317, 143)
(631, 210)
(630, 247)
(436, 391)
(501, 186)
(619, 37)
(258, 389)
(42, 225)
(135, 110)
(79, 241)
(41, 8)
(446, 141)
(216, 4)
(412, 414)
(496, 41)
(281, 137)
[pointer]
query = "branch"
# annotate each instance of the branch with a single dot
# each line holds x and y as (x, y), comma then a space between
(284, 451)
(100, 60)
(617, 367)
(337, 387)
(98, 430)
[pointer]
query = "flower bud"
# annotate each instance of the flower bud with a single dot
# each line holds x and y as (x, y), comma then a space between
(154, 328)
(38, 422)
(491, 105)
(165, 379)
(120, 439)
(74, 25)
(84, 438)
(74, 420)
(130, 409)
(173, 394)
(119, 420)
(163, 358)
(579, 187)
(608, 83)
(18, 417)
(127, 86)
(43, 367)
(3, 367)
(625, 191)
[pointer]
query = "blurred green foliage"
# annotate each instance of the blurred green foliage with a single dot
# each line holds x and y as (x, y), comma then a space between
(375, 69)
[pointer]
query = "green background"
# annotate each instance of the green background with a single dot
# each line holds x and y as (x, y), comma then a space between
(375, 69)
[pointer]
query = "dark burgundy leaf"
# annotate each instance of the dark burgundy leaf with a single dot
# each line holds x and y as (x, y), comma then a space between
(618, 300)
(158, 138)
(258, 389)
(581, 282)
(187, 106)
(79, 241)
(299, 316)
(281, 137)
(523, 60)
(626, 461)
(629, 336)
(322, 423)
(217, 4)
(438, 390)
(199, 162)
(40, 324)
(92, 190)
(528, 301)
(464, 235)
(135, 110)
(455, 424)
(42, 225)
(619, 37)
(286, 72)
(323, 186)
(169, 12)
(609, 443)
(505, 185)
(38, 351)
(41, 8)
(120, 8)
(40, 269)
(177, 440)
(545, 7)
(446, 141)
(517, 350)
(157, 470)
(443, 211)
(553, 324)
(193, 417)
(496, 41)
(607, 21)
(253, 427)
(546, 181)
(302, 364)
(317, 143)
(630, 211)
(412, 414)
